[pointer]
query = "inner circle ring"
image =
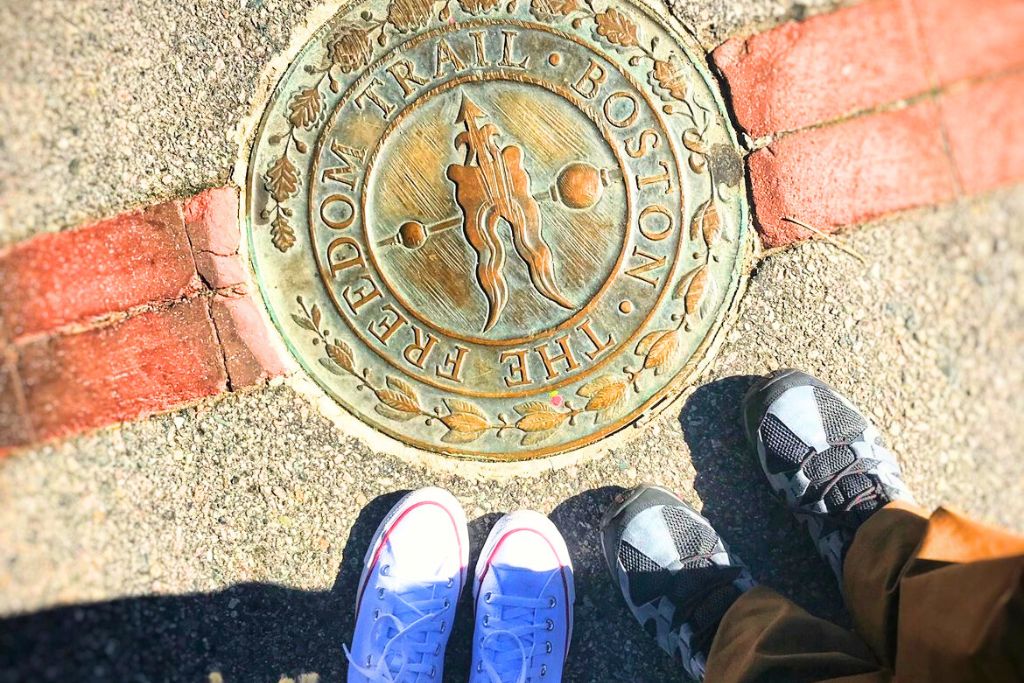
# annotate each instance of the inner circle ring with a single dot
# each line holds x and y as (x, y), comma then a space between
(325, 278)
(481, 78)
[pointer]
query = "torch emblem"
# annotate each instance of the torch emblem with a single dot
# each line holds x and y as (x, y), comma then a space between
(492, 188)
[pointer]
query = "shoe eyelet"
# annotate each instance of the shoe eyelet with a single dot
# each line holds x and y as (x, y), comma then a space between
(385, 570)
(479, 667)
(487, 620)
(552, 602)
(380, 593)
(550, 625)
(548, 647)
(451, 582)
(376, 614)
(447, 603)
(433, 671)
(543, 670)
(437, 649)
(487, 597)
(369, 660)
(444, 625)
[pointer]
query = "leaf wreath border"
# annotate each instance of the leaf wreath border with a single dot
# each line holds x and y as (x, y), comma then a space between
(535, 420)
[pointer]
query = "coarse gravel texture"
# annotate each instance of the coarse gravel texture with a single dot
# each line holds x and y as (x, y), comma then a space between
(108, 104)
(229, 537)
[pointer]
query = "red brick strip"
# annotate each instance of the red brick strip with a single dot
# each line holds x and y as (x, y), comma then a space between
(112, 266)
(146, 363)
(131, 316)
(883, 106)
(971, 38)
(985, 126)
(830, 66)
(211, 222)
(850, 173)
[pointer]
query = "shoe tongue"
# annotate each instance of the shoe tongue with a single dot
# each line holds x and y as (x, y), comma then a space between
(415, 564)
(695, 579)
(522, 582)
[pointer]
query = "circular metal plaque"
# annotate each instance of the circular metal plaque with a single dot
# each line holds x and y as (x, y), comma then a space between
(497, 229)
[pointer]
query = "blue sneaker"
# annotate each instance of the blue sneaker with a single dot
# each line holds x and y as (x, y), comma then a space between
(524, 597)
(822, 457)
(414, 571)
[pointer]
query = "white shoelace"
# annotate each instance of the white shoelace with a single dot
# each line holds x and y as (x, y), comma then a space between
(414, 630)
(520, 660)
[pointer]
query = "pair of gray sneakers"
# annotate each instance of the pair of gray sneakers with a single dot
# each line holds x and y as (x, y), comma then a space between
(819, 454)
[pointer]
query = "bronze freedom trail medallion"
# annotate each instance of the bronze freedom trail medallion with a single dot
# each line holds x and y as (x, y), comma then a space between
(497, 230)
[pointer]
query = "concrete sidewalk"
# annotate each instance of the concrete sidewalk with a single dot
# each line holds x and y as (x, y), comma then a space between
(228, 537)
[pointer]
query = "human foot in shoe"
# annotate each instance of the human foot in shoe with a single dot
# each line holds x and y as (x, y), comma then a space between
(524, 597)
(822, 456)
(414, 572)
(675, 573)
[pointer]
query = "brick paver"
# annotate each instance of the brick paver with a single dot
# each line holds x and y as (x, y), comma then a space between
(14, 429)
(830, 66)
(971, 39)
(985, 125)
(211, 219)
(850, 172)
(145, 364)
(249, 353)
(112, 266)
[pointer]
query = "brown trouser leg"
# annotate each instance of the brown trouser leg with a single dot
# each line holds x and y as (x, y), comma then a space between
(936, 599)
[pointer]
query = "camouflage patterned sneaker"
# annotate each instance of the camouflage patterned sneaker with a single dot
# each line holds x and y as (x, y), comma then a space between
(822, 456)
(675, 573)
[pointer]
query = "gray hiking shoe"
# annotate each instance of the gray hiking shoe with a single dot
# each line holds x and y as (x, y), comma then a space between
(822, 456)
(675, 573)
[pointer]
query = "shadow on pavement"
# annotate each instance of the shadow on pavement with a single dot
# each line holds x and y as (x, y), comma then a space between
(738, 502)
(249, 632)
(261, 632)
